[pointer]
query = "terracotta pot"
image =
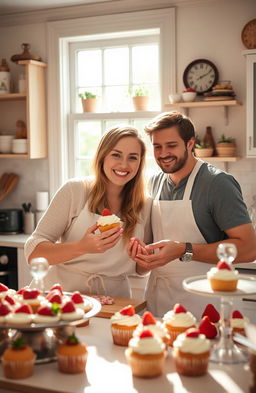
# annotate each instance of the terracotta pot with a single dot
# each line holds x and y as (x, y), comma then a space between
(207, 152)
(89, 104)
(226, 149)
(140, 103)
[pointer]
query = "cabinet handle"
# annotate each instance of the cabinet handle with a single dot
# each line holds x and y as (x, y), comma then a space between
(4, 259)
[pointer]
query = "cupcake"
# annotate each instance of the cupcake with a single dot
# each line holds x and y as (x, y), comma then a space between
(4, 311)
(146, 355)
(54, 296)
(80, 302)
(177, 321)
(47, 314)
(71, 356)
(191, 352)
(57, 287)
(18, 360)
(32, 297)
(207, 327)
(211, 312)
(3, 290)
(10, 301)
(123, 324)
(23, 315)
(157, 328)
(70, 313)
(223, 277)
(238, 322)
(107, 220)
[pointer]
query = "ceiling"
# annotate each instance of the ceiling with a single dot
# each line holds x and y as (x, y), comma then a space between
(8, 7)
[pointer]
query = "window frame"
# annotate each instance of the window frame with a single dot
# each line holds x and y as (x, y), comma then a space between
(60, 34)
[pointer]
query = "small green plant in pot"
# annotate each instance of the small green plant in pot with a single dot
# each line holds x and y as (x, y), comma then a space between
(202, 149)
(140, 98)
(89, 101)
(226, 146)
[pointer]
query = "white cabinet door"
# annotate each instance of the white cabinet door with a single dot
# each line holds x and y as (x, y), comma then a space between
(24, 276)
(251, 103)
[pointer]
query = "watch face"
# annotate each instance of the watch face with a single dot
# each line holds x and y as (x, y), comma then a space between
(201, 75)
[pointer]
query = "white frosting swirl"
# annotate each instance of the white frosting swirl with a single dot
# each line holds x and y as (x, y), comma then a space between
(193, 345)
(238, 322)
(46, 318)
(222, 274)
(66, 316)
(125, 320)
(108, 220)
(147, 345)
(19, 318)
(158, 330)
(181, 319)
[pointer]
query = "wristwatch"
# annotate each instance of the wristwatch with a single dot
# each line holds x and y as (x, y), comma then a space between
(188, 255)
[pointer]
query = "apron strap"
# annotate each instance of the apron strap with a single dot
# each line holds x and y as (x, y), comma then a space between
(89, 282)
(191, 180)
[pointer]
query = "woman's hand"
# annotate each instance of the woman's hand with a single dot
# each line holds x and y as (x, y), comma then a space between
(136, 246)
(94, 243)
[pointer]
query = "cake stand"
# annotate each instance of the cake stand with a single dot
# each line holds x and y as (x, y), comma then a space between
(45, 337)
(225, 351)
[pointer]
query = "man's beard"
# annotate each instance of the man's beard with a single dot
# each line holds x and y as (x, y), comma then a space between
(180, 163)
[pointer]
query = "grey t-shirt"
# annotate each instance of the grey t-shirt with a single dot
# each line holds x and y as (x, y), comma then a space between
(217, 200)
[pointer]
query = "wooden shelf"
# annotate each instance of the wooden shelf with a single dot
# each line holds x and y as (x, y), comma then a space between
(13, 97)
(12, 155)
(206, 104)
(220, 159)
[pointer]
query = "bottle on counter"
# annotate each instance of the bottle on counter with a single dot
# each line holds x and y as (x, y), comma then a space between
(5, 77)
(208, 139)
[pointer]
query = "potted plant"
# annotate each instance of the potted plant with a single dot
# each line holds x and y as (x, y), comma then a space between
(89, 101)
(226, 146)
(203, 149)
(140, 98)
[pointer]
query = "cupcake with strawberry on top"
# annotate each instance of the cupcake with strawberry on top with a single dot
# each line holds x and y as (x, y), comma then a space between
(33, 298)
(57, 287)
(223, 277)
(48, 314)
(123, 324)
(238, 322)
(156, 327)
(177, 321)
(107, 220)
(4, 311)
(70, 313)
(54, 296)
(72, 356)
(4, 290)
(10, 300)
(23, 315)
(80, 301)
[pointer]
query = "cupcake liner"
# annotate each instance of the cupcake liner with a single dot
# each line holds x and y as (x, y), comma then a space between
(72, 364)
(122, 334)
(18, 370)
(223, 285)
(174, 331)
(145, 366)
(191, 365)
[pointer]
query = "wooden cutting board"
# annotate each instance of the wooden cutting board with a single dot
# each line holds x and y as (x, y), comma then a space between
(108, 310)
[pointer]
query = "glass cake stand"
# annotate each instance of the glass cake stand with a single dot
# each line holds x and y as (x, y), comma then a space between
(225, 351)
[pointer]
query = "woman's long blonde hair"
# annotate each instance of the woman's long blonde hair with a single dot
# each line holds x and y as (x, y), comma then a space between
(133, 195)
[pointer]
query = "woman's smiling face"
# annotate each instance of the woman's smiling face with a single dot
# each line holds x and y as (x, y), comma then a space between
(121, 164)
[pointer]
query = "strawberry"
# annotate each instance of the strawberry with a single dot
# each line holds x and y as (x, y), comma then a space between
(128, 310)
(3, 288)
(222, 265)
(237, 314)
(146, 334)
(57, 287)
(25, 308)
(178, 308)
(76, 297)
(9, 299)
(193, 333)
(207, 328)
(54, 297)
(20, 291)
(148, 319)
(29, 293)
(72, 340)
(106, 212)
(212, 313)
(68, 307)
(4, 309)
(45, 310)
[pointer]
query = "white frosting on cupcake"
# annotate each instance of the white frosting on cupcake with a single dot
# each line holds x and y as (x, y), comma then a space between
(69, 316)
(147, 345)
(222, 274)
(158, 329)
(239, 323)
(46, 318)
(125, 320)
(19, 318)
(181, 319)
(193, 345)
(108, 220)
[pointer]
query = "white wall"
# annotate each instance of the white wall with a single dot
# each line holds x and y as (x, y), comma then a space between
(207, 29)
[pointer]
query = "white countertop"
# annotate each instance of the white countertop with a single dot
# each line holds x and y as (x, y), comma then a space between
(107, 372)
(13, 240)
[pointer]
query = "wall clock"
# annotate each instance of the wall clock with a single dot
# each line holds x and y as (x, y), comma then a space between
(201, 75)
(249, 34)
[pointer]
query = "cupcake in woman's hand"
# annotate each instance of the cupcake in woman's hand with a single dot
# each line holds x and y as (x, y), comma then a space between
(211, 312)
(72, 356)
(23, 315)
(191, 352)
(146, 355)
(177, 321)
(4, 311)
(157, 328)
(238, 322)
(223, 277)
(18, 360)
(123, 324)
(207, 327)
(107, 220)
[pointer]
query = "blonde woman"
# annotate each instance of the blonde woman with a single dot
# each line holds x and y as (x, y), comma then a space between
(81, 258)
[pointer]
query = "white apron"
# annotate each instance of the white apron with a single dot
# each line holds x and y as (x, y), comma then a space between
(103, 273)
(174, 220)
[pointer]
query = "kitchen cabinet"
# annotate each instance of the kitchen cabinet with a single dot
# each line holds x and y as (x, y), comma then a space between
(33, 104)
(251, 102)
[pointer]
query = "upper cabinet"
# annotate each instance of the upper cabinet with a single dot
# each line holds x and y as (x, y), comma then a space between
(32, 109)
(251, 102)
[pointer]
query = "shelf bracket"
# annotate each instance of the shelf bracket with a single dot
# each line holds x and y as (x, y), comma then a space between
(225, 113)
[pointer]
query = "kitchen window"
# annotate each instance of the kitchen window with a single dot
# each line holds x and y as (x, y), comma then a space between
(87, 54)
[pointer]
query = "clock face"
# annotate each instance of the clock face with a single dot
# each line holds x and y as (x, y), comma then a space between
(249, 34)
(201, 75)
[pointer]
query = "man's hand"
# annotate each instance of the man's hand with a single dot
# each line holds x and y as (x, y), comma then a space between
(167, 252)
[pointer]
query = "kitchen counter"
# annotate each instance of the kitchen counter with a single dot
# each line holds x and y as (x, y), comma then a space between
(107, 371)
(13, 240)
